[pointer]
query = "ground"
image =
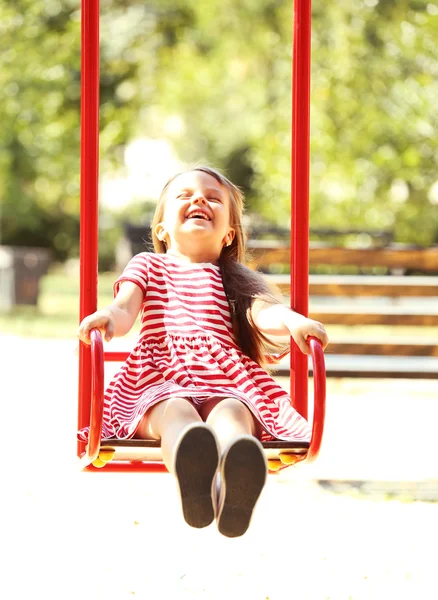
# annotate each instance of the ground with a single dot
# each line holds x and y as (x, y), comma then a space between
(354, 525)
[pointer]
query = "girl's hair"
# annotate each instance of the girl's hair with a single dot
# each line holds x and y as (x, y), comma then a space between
(241, 284)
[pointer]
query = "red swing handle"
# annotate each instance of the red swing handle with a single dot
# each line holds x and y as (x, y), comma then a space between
(319, 392)
(319, 395)
(97, 395)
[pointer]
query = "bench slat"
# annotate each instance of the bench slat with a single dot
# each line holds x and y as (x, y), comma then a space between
(264, 253)
(363, 285)
(400, 367)
(373, 316)
(378, 348)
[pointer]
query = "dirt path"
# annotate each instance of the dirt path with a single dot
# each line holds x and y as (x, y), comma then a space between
(67, 534)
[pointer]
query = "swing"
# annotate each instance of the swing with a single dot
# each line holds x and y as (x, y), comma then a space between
(143, 455)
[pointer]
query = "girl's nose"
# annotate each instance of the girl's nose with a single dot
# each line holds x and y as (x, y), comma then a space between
(199, 198)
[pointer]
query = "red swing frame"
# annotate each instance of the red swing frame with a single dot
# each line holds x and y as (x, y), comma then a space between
(92, 358)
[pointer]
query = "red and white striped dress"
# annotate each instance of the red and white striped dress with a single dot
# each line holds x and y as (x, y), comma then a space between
(186, 348)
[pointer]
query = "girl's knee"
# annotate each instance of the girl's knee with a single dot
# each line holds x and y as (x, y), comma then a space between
(178, 407)
(234, 413)
(163, 413)
(231, 406)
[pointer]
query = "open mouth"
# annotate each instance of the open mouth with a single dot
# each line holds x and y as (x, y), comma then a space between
(198, 214)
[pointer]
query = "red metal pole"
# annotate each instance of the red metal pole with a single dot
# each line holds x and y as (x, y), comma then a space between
(89, 193)
(300, 192)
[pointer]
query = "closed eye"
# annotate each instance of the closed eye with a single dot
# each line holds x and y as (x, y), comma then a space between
(187, 196)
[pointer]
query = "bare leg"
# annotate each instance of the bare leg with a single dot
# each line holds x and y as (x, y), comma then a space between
(166, 421)
(229, 418)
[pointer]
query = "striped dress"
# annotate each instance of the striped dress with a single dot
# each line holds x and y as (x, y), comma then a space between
(186, 348)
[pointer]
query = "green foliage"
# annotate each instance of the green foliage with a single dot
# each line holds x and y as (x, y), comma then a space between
(221, 71)
(373, 117)
(40, 112)
(39, 82)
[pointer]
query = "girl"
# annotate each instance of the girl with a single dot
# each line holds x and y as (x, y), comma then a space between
(195, 379)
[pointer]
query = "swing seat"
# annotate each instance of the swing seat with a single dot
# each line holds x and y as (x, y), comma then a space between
(112, 451)
(145, 455)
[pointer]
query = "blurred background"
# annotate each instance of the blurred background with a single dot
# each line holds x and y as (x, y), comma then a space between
(184, 82)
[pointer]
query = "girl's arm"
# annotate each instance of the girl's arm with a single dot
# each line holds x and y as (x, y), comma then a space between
(117, 318)
(278, 319)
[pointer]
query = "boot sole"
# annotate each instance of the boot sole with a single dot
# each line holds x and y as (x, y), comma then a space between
(196, 464)
(244, 473)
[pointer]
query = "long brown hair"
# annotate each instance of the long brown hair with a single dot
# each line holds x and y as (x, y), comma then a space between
(241, 284)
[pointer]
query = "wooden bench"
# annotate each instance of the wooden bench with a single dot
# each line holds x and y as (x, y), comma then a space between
(344, 301)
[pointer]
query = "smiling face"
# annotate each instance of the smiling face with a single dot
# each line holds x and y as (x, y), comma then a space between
(196, 218)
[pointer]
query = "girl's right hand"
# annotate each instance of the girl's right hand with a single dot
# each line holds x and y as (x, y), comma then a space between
(102, 320)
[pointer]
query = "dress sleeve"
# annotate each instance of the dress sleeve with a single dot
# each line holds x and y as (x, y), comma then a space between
(136, 271)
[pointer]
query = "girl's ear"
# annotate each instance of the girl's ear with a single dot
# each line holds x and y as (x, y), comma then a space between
(229, 237)
(160, 232)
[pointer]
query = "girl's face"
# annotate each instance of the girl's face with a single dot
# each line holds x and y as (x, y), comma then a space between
(196, 219)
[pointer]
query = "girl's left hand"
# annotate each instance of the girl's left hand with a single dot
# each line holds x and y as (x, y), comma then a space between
(301, 328)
